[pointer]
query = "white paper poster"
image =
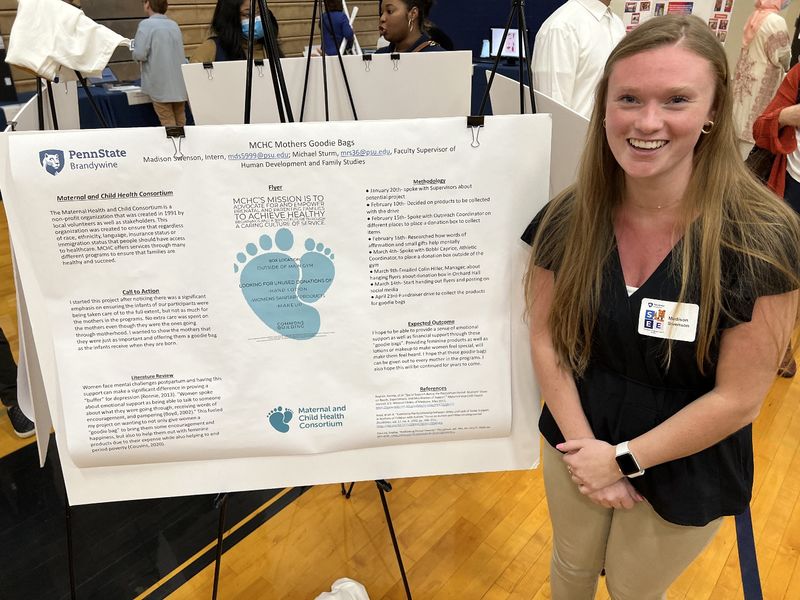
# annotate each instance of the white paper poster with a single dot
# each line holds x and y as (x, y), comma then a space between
(302, 295)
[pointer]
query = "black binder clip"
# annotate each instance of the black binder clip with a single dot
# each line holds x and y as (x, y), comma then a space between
(209, 67)
(367, 58)
(475, 123)
(395, 56)
(176, 133)
(259, 64)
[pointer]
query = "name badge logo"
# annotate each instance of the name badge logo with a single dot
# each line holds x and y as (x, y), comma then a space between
(668, 320)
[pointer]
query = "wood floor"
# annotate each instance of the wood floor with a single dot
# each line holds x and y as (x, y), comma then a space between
(483, 536)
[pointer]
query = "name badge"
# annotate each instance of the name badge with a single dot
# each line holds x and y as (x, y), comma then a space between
(668, 320)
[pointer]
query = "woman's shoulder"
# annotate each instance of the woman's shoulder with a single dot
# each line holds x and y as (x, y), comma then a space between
(774, 23)
(552, 215)
(205, 52)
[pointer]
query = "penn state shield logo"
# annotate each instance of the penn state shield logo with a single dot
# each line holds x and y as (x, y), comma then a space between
(52, 161)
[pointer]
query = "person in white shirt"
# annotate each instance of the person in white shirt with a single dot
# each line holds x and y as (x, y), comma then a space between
(571, 49)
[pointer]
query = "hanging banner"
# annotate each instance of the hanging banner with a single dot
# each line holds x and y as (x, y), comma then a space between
(269, 292)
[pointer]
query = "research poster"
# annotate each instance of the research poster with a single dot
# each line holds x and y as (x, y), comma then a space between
(276, 291)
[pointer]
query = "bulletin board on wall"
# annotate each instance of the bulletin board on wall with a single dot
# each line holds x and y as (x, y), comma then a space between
(716, 12)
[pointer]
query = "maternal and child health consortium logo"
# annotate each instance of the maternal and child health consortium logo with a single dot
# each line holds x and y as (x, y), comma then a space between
(53, 161)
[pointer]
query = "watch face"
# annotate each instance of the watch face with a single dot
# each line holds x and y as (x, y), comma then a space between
(627, 464)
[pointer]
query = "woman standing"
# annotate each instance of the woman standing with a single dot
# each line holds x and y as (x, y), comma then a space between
(763, 59)
(661, 294)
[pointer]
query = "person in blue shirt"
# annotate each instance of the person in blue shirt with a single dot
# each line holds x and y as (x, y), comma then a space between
(335, 27)
(404, 24)
(158, 46)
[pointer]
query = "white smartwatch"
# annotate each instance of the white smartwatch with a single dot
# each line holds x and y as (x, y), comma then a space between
(626, 461)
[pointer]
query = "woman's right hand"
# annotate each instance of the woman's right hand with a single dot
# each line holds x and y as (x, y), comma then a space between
(620, 494)
(790, 116)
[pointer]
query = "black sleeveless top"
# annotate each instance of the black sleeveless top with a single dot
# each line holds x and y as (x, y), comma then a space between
(627, 390)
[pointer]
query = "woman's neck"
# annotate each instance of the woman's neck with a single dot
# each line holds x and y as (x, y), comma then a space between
(408, 41)
(648, 196)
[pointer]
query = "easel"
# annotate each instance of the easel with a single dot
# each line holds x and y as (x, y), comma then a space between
(318, 6)
(67, 510)
(518, 11)
(383, 488)
(282, 98)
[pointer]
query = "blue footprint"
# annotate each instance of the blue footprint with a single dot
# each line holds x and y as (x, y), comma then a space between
(279, 418)
(318, 272)
(272, 285)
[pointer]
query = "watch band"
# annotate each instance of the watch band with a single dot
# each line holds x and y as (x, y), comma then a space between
(626, 461)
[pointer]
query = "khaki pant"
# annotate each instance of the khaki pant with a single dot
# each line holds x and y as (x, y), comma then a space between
(171, 113)
(641, 553)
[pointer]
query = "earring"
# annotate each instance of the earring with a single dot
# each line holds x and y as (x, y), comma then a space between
(604, 122)
(707, 127)
(410, 25)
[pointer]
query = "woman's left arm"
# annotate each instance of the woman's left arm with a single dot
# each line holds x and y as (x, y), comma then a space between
(748, 358)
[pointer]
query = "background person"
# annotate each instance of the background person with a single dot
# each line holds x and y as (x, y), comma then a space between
(403, 23)
(335, 27)
(570, 49)
(22, 425)
(648, 404)
(763, 60)
(230, 28)
(158, 46)
(777, 129)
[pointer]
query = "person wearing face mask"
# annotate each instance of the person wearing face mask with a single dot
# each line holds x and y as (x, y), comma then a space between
(230, 28)
(404, 24)
(763, 60)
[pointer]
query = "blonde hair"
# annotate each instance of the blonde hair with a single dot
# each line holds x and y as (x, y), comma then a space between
(724, 210)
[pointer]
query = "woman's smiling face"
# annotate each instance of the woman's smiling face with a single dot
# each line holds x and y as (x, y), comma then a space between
(658, 101)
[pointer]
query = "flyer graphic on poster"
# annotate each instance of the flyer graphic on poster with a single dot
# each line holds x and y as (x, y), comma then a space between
(276, 290)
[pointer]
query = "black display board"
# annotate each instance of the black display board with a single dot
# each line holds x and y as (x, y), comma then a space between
(469, 22)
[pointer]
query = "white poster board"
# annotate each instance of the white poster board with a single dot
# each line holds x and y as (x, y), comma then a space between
(65, 96)
(418, 85)
(569, 128)
(250, 319)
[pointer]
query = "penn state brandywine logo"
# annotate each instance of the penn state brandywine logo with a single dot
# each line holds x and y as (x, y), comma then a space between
(52, 161)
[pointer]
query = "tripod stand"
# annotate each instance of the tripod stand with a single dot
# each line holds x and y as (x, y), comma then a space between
(518, 11)
(318, 6)
(275, 67)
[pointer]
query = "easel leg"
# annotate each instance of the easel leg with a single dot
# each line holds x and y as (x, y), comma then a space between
(52, 105)
(39, 103)
(90, 98)
(221, 501)
(383, 487)
(73, 593)
(518, 11)
(347, 493)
